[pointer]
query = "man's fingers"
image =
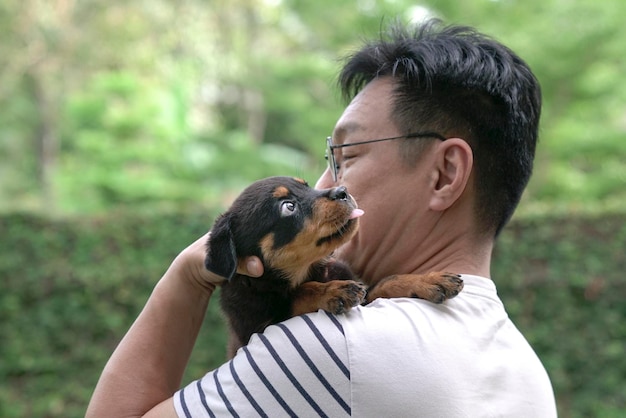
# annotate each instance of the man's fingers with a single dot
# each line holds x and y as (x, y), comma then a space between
(250, 266)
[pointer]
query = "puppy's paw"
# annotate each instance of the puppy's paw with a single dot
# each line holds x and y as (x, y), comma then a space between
(342, 295)
(443, 286)
(435, 287)
(336, 296)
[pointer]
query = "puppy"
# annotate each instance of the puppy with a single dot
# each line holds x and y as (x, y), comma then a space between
(294, 229)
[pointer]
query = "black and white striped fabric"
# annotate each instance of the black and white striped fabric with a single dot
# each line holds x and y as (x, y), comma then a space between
(296, 368)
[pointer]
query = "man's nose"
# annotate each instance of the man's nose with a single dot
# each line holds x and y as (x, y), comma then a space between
(325, 181)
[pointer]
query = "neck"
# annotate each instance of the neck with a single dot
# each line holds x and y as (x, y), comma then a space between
(443, 246)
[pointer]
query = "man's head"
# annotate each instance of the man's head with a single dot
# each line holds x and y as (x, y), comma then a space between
(459, 83)
(480, 100)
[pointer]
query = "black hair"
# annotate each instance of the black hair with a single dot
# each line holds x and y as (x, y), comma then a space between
(458, 82)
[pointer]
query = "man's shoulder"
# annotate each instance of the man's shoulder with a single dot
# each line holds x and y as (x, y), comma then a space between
(315, 339)
(318, 327)
(396, 322)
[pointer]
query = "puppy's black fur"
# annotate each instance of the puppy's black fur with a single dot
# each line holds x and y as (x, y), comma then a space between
(292, 228)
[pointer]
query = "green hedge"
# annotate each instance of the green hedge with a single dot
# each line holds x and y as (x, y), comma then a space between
(71, 288)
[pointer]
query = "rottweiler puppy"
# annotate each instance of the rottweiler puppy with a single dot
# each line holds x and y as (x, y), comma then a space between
(294, 229)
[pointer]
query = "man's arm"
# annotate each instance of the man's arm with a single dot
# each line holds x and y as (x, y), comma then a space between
(147, 366)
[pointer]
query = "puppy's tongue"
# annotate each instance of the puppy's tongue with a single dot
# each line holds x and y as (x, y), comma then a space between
(356, 213)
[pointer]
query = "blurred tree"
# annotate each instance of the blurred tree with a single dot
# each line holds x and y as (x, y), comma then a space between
(50, 49)
(109, 102)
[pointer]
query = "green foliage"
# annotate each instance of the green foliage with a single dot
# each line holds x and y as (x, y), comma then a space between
(130, 141)
(562, 282)
(70, 291)
(71, 288)
(109, 103)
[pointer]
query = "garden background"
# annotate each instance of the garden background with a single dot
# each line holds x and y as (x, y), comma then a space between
(126, 127)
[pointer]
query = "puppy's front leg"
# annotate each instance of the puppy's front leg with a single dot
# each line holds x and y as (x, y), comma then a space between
(335, 296)
(435, 287)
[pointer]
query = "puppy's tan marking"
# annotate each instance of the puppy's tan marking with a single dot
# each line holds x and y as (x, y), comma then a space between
(295, 258)
(299, 180)
(329, 217)
(280, 191)
(328, 227)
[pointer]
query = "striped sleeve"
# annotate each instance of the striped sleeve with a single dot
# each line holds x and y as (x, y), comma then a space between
(295, 368)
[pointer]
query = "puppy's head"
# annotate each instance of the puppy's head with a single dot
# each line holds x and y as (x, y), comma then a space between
(285, 223)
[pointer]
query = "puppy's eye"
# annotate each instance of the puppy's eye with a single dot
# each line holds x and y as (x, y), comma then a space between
(287, 208)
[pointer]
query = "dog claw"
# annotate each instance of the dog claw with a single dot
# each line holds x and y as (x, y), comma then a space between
(346, 295)
(449, 286)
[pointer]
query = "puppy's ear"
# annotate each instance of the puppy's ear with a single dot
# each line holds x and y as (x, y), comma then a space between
(221, 257)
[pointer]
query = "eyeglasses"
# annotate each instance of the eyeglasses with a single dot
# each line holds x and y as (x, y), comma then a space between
(330, 148)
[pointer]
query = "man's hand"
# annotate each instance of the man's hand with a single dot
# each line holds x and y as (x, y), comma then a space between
(250, 266)
(189, 264)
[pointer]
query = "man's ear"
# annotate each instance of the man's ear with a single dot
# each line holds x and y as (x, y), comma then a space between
(453, 167)
(221, 257)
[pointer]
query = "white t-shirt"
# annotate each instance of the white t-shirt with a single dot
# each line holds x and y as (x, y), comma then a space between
(392, 358)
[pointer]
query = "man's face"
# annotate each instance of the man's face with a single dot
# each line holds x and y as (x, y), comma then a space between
(385, 188)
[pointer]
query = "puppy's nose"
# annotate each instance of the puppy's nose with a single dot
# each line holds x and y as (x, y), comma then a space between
(338, 193)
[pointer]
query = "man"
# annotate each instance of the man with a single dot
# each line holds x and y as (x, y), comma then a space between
(436, 146)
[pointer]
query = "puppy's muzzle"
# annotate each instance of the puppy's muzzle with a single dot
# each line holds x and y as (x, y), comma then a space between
(339, 193)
